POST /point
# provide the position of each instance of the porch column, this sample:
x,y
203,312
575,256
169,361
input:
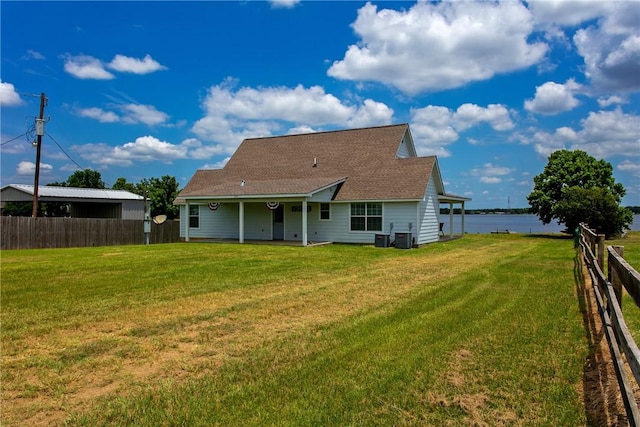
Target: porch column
x,y
241,223
186,222
451,219
304,222
462,217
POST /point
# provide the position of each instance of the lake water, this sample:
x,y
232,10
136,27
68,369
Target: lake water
x,y
485,224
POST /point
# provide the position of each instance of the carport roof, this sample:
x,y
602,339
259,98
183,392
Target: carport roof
x,y
65,193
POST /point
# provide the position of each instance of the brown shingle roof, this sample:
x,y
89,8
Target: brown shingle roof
x,y
281,165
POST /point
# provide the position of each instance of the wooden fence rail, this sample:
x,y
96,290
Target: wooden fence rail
x,y
618,335
34,233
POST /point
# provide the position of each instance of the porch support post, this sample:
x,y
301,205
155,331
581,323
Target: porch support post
x,y
186,222
462,217
451,219
241,223
304,222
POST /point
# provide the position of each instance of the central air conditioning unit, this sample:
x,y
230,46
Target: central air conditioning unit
x,y
404,241
382,241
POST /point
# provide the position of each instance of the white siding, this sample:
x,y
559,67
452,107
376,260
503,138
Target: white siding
x,y
403,149
337,229
428,209
324,195
404,218
258,221
221,223
325,231
293,221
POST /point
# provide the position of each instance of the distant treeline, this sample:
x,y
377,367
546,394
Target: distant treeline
x,y
517,211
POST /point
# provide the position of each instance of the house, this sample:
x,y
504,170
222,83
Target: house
x,y
83,202
347,186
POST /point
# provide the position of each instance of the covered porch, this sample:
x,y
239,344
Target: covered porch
x,y
259,219
448,228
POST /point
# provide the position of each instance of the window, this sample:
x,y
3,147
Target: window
x,y
325,211
366,216
194,216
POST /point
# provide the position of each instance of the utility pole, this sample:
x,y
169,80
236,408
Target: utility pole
x,y
39,133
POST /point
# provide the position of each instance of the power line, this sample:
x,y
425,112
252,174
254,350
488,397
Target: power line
x,y
65,153
13,139
71,158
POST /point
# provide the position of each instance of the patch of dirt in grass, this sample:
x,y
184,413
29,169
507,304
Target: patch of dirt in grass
x,y
468,397
455,376
190,337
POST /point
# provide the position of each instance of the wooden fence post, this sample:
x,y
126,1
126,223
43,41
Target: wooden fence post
x,y
613,277
600,238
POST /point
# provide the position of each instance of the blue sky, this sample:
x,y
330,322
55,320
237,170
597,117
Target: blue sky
x,y
146,89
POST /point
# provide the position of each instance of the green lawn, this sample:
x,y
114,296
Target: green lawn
x,y
484,330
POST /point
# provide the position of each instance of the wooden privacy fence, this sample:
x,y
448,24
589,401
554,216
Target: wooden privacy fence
x,y
608,295
33,233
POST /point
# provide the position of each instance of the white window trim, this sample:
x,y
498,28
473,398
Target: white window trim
x,y
365,218
189,218
320,212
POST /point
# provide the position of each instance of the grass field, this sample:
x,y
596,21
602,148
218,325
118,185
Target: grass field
x,y
484,330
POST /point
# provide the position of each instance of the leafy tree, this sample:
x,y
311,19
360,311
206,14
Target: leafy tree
x,y
161,193
87,178
575,187
595,207
19,209
122,184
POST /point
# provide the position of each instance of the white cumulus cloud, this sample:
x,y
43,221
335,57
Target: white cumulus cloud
x,y
284,4
602,134
432,130
86,67
491,174
127,64
629,166
435,127
29,168
98,114
147,114
553,98
146,149
611,48
604,102
468,115
126,113
233,114
437,46
567,13
8,95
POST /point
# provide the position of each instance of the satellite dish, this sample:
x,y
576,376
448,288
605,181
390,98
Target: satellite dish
x,y
159,219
